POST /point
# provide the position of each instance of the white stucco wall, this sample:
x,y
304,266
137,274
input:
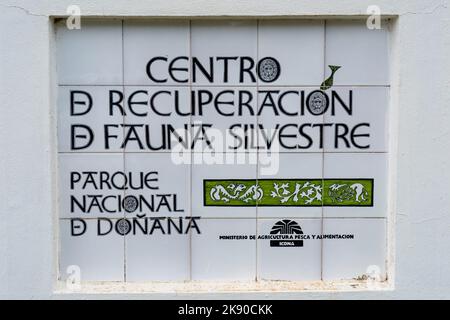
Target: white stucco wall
x,y
420,192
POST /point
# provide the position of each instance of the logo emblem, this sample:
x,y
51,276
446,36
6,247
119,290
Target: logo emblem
x,y
288,231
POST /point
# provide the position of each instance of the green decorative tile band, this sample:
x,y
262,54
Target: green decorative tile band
x,y
288,192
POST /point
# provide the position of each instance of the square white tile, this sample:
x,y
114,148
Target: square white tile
x,y
362,53
298,45
225,119
292,166
158,251
360,121
219,259
295,252
162,41
98,257
229,41
88,120
285,122
90,55
226,196
159,187
364,254
156,117
358,166
91,185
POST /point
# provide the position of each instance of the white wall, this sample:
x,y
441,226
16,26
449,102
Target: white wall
x,y
421,98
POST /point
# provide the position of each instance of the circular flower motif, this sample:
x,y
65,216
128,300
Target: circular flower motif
x,y
123,226
268,69
130,203
317,102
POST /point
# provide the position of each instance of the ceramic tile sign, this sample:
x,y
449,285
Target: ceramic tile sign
x,y
238,150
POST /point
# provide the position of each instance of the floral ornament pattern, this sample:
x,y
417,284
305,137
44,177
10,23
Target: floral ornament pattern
x,y
289,192
234,191
308,191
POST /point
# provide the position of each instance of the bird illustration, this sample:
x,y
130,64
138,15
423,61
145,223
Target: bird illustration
x,y
328,83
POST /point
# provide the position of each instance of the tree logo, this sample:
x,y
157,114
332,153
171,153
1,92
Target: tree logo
x,y
286,233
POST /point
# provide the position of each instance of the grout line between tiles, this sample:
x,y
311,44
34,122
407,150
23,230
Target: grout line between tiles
x,y
257,155
156,152
123,153
237,218
191,154
219,152
227,85
323,153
